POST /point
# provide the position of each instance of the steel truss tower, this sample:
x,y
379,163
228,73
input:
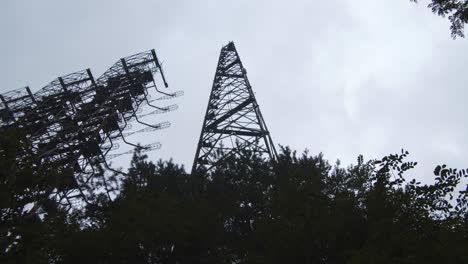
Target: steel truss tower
x,y
233,121
73,124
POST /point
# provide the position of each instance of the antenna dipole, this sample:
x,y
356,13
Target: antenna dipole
x,y
72,125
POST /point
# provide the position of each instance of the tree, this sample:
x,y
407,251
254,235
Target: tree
x,y
32,226
299,209
457,12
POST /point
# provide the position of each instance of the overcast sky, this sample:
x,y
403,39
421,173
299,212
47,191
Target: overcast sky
x,y
340,77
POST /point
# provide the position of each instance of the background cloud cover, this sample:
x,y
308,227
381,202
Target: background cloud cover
x,y
339,77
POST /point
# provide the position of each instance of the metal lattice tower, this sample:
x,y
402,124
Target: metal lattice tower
x,y
74,123
233,121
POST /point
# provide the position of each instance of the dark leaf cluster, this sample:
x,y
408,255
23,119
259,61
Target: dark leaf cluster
x,y
298,209
455,10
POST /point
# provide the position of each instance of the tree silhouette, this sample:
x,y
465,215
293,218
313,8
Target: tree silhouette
x,y
299,209
457,12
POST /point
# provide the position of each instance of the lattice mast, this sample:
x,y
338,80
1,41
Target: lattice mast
x,y
233,122
75,122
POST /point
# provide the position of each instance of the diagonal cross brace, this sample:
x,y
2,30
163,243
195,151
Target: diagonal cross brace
x,y
227,67
240,133
229,114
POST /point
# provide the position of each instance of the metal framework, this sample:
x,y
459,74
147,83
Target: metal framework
x,y
74,123
233,122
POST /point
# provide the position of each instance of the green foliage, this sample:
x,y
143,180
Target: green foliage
x,y
457,12
24,194
299,209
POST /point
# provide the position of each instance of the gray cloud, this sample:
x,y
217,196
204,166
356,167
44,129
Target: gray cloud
x,y
341,77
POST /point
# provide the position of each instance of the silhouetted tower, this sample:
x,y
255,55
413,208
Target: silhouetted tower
x,y
72,125
233,121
